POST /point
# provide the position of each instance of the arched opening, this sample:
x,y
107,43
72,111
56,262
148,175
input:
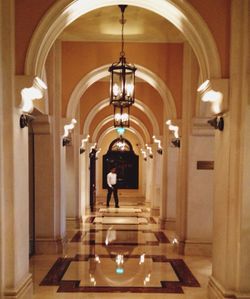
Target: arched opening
x,y
121,156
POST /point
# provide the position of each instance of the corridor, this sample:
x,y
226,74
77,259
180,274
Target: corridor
x,y
120,251
153,95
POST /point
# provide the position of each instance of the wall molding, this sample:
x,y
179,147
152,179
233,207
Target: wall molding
x,y
49,246
23,290
197,248
216,291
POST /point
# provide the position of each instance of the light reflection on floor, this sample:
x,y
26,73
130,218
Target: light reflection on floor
x,y
128,259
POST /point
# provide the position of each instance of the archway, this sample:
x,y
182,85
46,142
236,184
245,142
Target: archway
x,y
132,119
181,14
143,73
138,104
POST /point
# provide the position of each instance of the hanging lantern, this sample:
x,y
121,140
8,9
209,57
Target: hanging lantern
x,y
121,116
122,77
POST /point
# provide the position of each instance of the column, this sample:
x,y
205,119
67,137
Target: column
x,y
155,181
230,273
164,179
14,197
149,180
53,74
49,238
182,171
172,165
73,179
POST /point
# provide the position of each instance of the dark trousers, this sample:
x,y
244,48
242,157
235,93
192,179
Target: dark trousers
x,y
114,191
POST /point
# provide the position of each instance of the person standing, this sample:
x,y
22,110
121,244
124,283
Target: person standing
x,y
112,187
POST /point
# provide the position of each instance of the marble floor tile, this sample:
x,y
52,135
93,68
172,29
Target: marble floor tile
x,y
122,259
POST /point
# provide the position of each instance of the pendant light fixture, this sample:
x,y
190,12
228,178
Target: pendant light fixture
x,y
122,83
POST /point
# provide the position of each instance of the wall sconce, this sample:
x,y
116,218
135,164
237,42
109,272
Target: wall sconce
x,y
35,92
210,95
217,123
144,154
158,142
93,150
67,132
149,149
97,153
175,129
176,142
85,140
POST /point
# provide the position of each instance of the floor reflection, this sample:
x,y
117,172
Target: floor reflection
x,y
120,258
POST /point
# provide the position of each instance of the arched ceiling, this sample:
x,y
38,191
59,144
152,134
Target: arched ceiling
x,y
103,25
143,26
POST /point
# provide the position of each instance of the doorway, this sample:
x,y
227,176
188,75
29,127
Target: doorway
x,y
121,156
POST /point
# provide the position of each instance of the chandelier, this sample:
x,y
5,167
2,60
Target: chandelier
x,y
122,83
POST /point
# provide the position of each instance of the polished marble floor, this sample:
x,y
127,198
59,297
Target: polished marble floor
x,y
121,259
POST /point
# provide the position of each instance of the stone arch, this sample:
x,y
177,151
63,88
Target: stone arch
x,y
133,119
180,13
132,130
102,72
138,104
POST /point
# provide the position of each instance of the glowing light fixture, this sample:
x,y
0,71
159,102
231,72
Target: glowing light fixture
x,y
35,92
144,154
82,147
210,95
121,116
175,129
158,142
122,83
120,131
67,132
149,149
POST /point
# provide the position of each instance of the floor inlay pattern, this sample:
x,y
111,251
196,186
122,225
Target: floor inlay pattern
x,y
86,238
124,258
70,274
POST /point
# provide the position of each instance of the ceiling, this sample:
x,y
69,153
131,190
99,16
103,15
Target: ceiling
x,y
103,25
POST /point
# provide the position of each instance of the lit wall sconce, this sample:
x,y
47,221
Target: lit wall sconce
x,y
67,132
97,153
93,151
217,123
149,149
82,147
158,142
209,95
144,154
175,130
35,92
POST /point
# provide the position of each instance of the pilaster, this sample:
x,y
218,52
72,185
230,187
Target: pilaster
x,y
15,279
231,262
48,239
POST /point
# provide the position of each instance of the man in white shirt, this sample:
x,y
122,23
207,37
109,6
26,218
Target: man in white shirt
x,y
112,187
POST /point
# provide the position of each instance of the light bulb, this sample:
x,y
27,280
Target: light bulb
x,y
116,90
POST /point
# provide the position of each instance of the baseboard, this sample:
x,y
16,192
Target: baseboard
x,y
169,223
49,246
73,222
155,211
216,291
23,291
198,247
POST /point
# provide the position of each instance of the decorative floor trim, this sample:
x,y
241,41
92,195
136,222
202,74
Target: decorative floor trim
x,y
55,274
151,220
159,235
90,219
